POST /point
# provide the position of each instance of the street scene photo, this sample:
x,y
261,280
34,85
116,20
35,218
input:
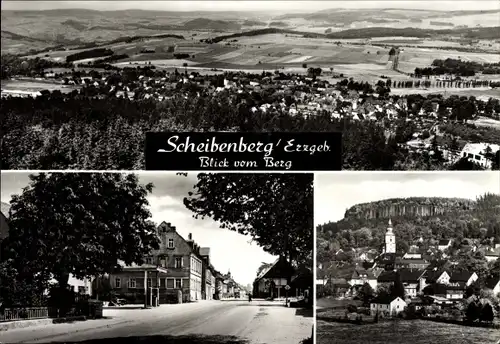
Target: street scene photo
x,y
408,257
412,85
156,257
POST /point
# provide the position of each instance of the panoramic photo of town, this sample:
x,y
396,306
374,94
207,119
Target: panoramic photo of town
x,y
156,258
413,85
408,257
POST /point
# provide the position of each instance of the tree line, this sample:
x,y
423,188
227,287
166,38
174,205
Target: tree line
x,y
76,131
458,67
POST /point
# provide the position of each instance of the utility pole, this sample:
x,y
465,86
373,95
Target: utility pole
x,y
145,288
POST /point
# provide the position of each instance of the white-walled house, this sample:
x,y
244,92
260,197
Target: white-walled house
x,y
434,276
444,244
492,254
493,284
409,255
81,286
455,290
475,153
387,306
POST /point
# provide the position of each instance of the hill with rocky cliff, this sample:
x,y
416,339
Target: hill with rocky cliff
x,y
432,218
415,206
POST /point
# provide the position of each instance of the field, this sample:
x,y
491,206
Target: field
x,y
487,122
362,59
477,92
403,332
330,303
35,85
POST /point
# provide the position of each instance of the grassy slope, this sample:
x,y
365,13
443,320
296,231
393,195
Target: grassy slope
x,y
402,332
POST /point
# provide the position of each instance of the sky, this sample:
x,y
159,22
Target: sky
x,y
229,251
334,193
265,5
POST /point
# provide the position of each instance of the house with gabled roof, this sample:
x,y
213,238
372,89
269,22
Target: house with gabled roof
x,y
386,277
271,282
455,290
444,244
361,276
493,284
434,276
387,306
492,254
412,255
301,284
411,280
411,263
463,276
339,287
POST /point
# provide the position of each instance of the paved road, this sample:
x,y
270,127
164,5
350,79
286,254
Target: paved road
x,y
214,322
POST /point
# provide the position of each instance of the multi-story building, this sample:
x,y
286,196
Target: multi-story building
x,y
174,269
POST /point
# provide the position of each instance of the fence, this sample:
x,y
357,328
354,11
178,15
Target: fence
x,y
11,314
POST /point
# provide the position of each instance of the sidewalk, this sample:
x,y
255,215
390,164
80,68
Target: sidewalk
x,y
111,316
49,330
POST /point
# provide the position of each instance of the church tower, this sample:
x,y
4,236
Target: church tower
x,y
390,239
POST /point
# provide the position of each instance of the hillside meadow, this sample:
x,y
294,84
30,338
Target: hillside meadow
x,y
403,332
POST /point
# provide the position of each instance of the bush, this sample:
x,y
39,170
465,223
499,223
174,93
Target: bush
x,y
486,313
410,312
352,308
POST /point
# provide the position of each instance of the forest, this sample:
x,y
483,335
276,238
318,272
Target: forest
x,y
76,131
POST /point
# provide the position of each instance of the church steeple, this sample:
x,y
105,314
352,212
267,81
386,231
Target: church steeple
x,y
390,239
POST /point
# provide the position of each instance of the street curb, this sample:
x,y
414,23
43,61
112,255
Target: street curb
x,y
24,323
30,323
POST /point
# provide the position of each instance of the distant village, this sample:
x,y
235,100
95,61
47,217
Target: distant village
x,y
431,282
298,95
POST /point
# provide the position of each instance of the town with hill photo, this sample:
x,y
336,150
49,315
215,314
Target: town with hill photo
x,y
156,258
413,85
414,258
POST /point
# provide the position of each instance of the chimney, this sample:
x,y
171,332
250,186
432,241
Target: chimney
x,y
190,236
169,224
173,228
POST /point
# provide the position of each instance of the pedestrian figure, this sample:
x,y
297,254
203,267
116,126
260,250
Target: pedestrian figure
x,y
249,298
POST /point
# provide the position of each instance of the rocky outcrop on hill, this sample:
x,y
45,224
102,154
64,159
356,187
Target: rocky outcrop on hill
x,y
413,207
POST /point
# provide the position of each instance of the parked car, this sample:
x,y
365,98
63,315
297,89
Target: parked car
x,y
117,302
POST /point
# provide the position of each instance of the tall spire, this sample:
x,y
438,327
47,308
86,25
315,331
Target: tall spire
x,y
389,229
